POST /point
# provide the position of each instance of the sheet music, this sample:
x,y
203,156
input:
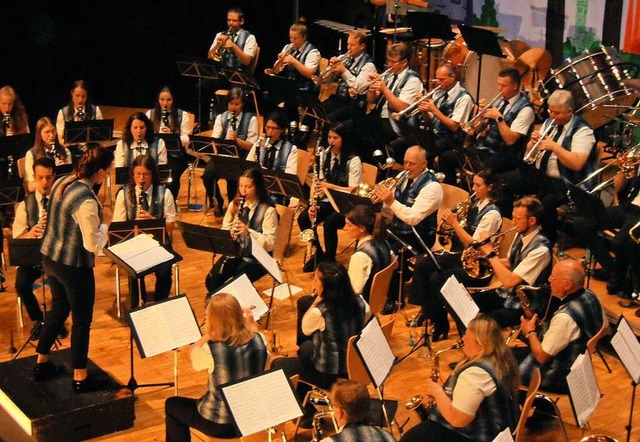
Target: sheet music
x,y
262,402
246,294
504,436
266,260
626,345
583,388
459,299
165,326
375,352
141,252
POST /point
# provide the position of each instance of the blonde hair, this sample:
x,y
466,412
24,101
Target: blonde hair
x,y
225,320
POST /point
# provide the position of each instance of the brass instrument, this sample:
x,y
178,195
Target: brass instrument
x,y
474,260
445,230
524,299
412,109
279,65
217,51
327,76
236,219
369,191
479,121
626,162
535,153
635,236
363,89
417,403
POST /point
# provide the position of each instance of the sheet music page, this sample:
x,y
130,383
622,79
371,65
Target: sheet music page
x,y
266,260
626,345
459,299
375,351
583,388
141,252
150,258
504,436
246,294
165,326
262,402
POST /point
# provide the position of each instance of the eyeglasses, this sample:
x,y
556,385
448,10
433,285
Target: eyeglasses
x,y
394,61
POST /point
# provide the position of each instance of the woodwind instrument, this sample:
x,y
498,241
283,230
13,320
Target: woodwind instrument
x,y
164,119
412,109
6,123
321,398
535,153
262,142
236,220
81,115
309,235
217,51
527,310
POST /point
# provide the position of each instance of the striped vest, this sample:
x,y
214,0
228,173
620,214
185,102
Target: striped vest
x,y
156,208
343,170
442,131
132,154
343,87
425,228
242,127
282,156
156,124
62,240
496,412
330,346
573,177
231,363
229,59
494,140
585,309
362,433
380,254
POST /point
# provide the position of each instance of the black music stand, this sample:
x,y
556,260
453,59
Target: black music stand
x,y
200,146
482,42
88,131
311,107
198,68
282,183
173,143
343,202
430,25
208,239
245,81
11,149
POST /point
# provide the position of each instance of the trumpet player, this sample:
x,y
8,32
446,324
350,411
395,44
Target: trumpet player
x,y
300,58
143,197
502,129
45,145
566,156
339,169
138,139
236,45
353,74
479,400
256,220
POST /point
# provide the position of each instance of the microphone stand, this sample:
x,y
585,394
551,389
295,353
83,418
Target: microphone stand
x,y
408,247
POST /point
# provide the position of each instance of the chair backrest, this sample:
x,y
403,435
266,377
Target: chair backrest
x,y
604,331
304,160
355,368
452,195
380,287
507,240
283,232
192,122
387,328
254,61
369,174
534,385
21,169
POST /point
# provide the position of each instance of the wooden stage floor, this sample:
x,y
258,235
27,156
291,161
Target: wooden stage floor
x,y
109,346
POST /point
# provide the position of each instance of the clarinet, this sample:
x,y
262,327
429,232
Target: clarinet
x,y
165,118
140,202
262,142
139,146
6,123
80,115
236,219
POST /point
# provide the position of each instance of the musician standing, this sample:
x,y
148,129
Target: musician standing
x,y
14,116
237,125
138,139
79,108
275,152
339,169
509,120
414,205
353,74
145,198
565,336
45,145
238,46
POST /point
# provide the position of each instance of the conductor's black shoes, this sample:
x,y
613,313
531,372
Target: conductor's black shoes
x,y
45,371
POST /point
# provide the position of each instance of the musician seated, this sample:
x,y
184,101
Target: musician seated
x,y
143,197
351,403
79,108
236,125
414,204
300,58
501,132
450,107
479,400
14,116
338,169
529,262
564,337
372,252
250,217
231,349
567,156
45,145
481,215
236,46
354,73
334,314
138,139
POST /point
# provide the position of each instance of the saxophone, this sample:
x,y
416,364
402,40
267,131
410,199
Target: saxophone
x,y
418,403
524,300
316,424
308,235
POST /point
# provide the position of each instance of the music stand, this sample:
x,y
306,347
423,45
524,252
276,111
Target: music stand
x,y
430,25
201,146
343,202
245,81
208,239
12,148
226,147
198,68
281,89
311,106
482,42
173,143
88,131
282,183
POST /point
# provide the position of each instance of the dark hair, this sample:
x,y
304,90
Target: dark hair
x,y
127,136
88,108
337,293
156,115
364,216
38,144
93,160
344,131
533,205
353,397
238,11
235,92
148,163
256,176
280,118
491,179
512,73
46,162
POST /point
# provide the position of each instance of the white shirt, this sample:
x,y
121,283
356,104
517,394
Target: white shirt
x,y
28,164
463,106
94,234
60,123
313,320
535,261
185,127
20,223
428,201
121,152
524,119
360,266
490,221
269,225
250,44
120,207
363,76
313,57
252,131
412,88
292,160
354,168
562,331
473,385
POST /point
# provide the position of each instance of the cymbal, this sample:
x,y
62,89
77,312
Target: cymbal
x,y
633,83
492,29
533,65
391,31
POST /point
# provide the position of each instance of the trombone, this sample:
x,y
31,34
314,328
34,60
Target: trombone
x,y
535,153
412,109
624,161
479,119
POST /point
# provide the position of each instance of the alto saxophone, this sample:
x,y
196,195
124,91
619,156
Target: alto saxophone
x,y
525,302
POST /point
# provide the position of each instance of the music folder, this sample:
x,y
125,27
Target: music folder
x,y
625,343
584,392
241,288
141,255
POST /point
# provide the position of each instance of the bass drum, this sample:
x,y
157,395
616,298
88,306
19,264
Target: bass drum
x,y
491,66
455,52
420,52
595,80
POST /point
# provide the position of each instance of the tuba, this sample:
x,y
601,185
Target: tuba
x,y
445,230
473,259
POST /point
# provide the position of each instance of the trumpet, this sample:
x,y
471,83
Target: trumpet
x,y
412,109
368,191
217,51
363,89
327,76
279,65
445,230
535,153
634,234
473,259
624,161
479,120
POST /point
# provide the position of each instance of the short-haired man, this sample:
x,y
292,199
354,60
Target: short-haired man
x,y
238,46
